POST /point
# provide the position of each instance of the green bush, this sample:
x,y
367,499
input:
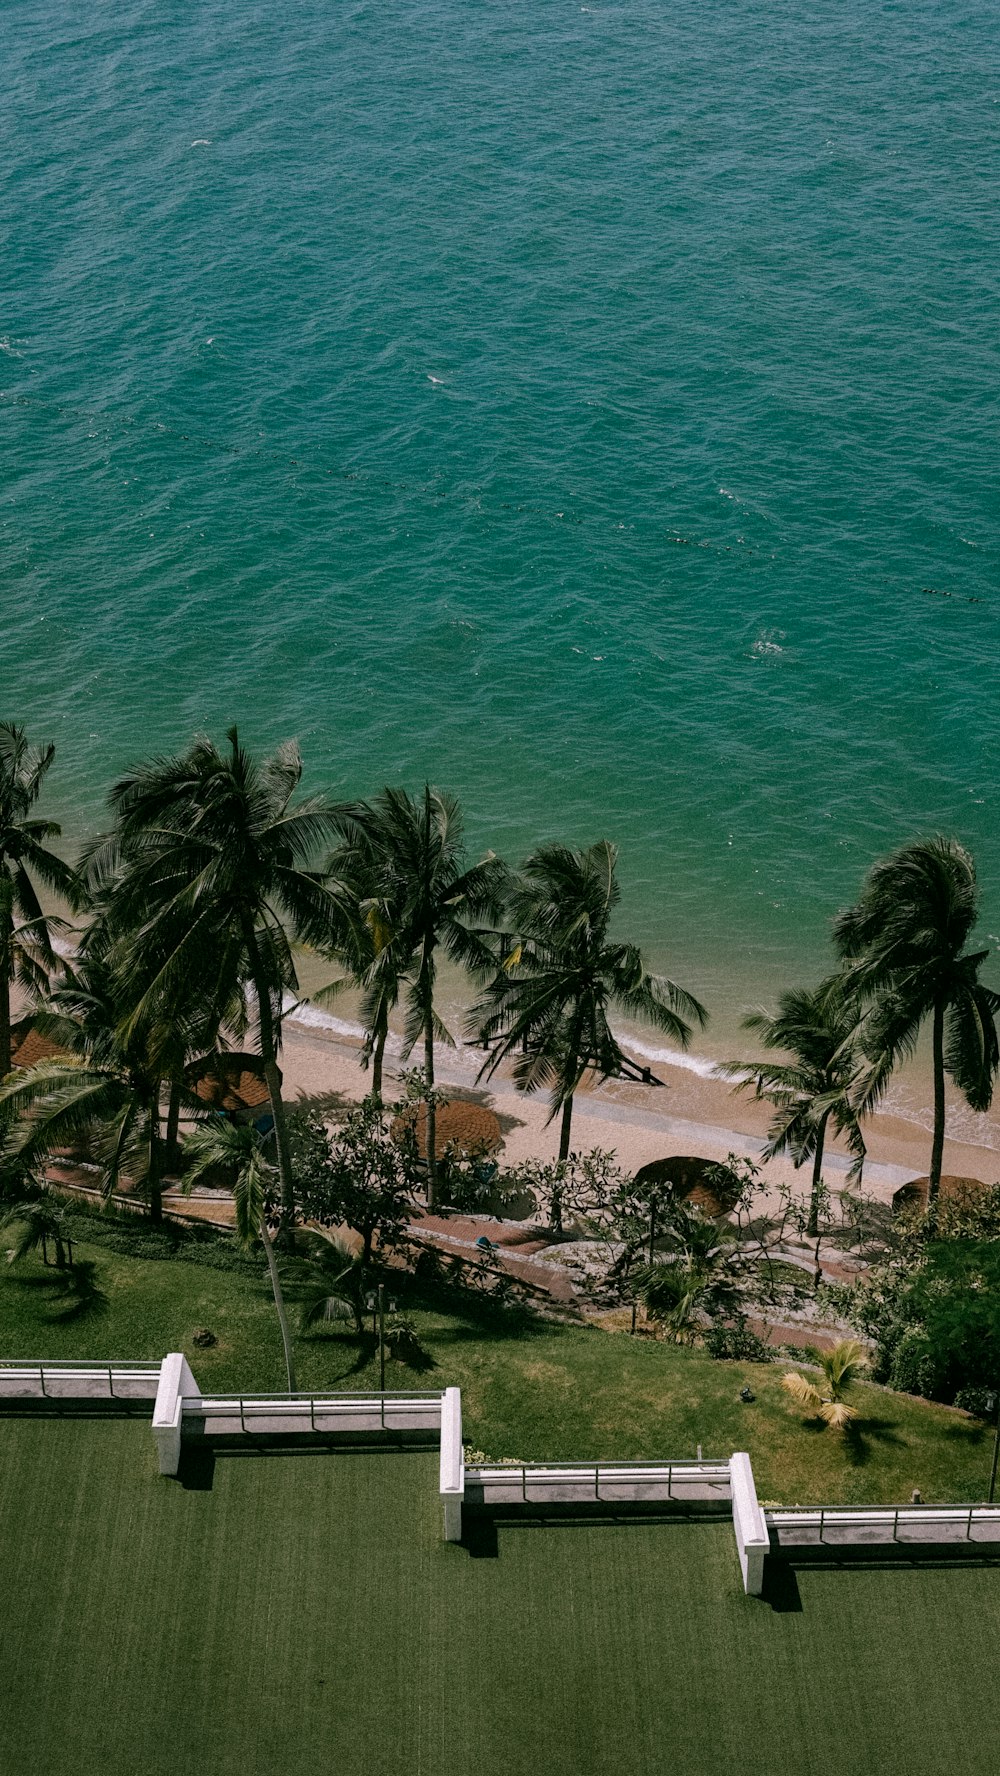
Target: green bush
x,y
737,1343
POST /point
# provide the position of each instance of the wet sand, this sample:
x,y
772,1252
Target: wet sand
x,y
690,1114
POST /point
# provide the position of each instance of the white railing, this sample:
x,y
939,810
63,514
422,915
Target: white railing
x,y
53,1379
851,1525
270,1414
602,1483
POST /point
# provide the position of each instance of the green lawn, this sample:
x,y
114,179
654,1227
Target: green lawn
x,y
530,1389
288,1614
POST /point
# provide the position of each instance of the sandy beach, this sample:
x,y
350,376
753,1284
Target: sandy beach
x,y
691,1114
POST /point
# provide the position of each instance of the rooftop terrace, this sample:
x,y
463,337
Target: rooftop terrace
x,y
299,1612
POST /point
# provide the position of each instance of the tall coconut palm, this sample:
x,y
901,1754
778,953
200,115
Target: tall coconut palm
x,y
903,944
370,945
431,900
210,860
560,976
818,1029
239,1151
26,953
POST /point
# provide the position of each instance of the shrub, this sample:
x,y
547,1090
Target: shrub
x,y
737,1342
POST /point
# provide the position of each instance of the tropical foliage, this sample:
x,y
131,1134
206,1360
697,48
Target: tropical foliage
x,y
813,1089
840,1366
210,862
237,1152
424,900
360,1176
26,860
560,977
903,947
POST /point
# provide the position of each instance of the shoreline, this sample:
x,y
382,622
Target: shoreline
x,y
695,1113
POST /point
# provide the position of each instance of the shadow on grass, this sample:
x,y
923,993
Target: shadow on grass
x,y
781,1588
860,1436
74,1290
196,1472
479,1538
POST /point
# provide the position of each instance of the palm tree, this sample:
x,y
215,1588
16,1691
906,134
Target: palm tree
x,y
109,1082
425,899
331,1283
903,944
369,946
26,953
209,862
40,1221
560,975
238,1150
840,1367
818,1029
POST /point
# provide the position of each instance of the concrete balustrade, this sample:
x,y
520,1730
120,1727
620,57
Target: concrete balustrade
x,y
176,1382
452,1468
181,1411
749,1526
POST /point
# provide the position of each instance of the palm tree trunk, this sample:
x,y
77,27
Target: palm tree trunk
x,y
272,1079
812,1225
155,1175
432,1177
172,1155
937,1145
279,1303
564,1128
378,1055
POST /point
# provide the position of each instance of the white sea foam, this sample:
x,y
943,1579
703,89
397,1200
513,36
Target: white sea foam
x,y
671,1057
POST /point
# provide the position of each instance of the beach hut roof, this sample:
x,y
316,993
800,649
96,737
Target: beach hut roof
x,y
702,1182
463,1127
230,1081
28,1046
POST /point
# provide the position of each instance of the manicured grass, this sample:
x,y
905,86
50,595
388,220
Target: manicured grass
x,y
530,1389
298,1613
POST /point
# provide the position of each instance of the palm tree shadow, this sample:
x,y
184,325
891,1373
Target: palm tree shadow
x,y
365,1352
859,1437
75,1290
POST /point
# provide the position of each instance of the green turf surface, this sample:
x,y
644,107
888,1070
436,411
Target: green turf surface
x,y
289,1614
530,1389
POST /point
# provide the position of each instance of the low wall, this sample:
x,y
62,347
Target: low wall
x,y
542,1484
181,1410
99,1382
409,1418
749,1526
452,1467
176,1384
879,1528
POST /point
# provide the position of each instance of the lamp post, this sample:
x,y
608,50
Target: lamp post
x,y
993,1405
381,1338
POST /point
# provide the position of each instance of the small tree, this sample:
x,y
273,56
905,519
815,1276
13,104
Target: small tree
x,y
840,1367
360,1176
239,1150
40,1221
330,1280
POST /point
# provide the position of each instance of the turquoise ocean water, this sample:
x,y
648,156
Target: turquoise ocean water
x,y
592,408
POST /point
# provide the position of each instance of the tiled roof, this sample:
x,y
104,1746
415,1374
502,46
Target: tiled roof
x,y
231,1082
29,1046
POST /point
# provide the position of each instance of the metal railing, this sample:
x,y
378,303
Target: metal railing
x,y
597,1474
886,1518
127,1369
302,1409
